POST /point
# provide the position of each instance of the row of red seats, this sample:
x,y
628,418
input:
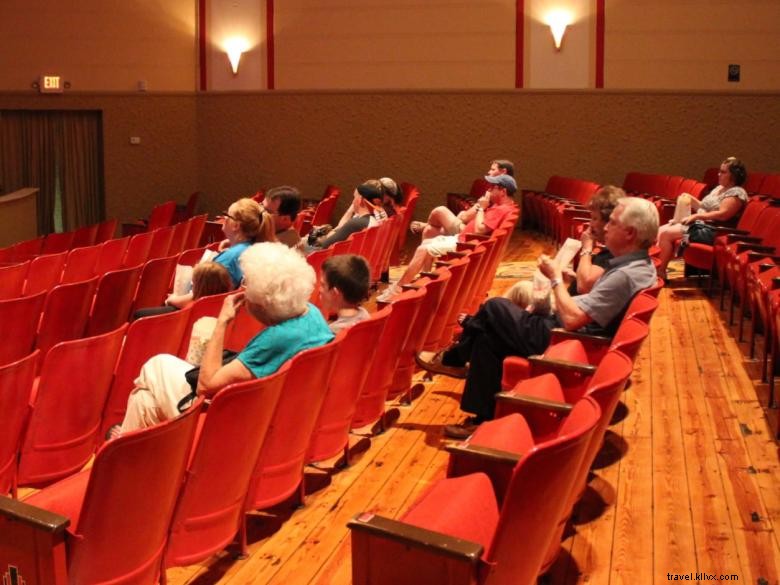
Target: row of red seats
x,y
260,471
59,242
559,207
95,305
516,479
45,271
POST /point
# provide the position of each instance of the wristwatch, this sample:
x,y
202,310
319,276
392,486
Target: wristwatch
x,y
586,253
554,282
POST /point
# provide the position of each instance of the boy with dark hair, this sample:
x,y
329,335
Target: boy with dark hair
x,y
343,287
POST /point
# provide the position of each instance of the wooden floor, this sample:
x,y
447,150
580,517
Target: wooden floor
x,y
688,480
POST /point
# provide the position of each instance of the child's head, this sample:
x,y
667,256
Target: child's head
x,y
523,295
210,278
345,281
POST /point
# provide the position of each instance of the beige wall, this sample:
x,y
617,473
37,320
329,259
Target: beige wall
x,y
98,45
668,44
164,166
359,44
228,145
442,141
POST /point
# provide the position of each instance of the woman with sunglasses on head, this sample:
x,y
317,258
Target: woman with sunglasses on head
x,y
246,223
723,205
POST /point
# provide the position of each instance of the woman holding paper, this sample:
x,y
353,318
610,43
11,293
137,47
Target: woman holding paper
x,y
723,205
246,223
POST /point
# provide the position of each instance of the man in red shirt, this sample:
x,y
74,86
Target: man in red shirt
x,y
485,216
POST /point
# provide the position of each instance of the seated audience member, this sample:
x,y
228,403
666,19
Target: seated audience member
x,y
500,328
593,264
246,223
392,196
523,296
443,236
284,203
278,284
208,278
343,287
723,205
364,211
442,221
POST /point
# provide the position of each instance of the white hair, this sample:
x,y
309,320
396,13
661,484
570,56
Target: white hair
x,y
642,215
278,279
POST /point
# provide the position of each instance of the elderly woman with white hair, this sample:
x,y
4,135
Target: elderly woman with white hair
x,y
278,285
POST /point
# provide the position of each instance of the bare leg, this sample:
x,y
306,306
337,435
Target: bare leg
x,y
667,236
441,221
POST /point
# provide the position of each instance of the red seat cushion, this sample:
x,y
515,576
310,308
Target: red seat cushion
x,y
509,433
464,507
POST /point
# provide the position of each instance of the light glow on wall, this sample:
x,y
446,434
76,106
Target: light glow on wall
x,y
235,47
558,20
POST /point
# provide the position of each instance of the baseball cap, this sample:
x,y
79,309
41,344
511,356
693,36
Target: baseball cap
x,y
506,181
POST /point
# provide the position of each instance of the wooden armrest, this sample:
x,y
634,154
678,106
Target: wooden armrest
x,y
457,254
557,364
417,537
430,274
38,518
410,287
776,282
560,333
467,245
442,263
763,267
533,402
480,237
735,238
484,453
748,247
721,229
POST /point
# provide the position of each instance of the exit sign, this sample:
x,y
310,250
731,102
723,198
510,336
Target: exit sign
x,y
50,84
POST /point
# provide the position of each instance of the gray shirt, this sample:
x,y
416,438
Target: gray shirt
x,y
626,275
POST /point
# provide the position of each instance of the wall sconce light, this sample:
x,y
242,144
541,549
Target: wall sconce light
x,y
235,47
558,21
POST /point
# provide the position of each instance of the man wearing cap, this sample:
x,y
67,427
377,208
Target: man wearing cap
x,y
365,210
442,235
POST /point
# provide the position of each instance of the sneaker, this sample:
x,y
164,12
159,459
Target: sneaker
x,y
433,365
386,296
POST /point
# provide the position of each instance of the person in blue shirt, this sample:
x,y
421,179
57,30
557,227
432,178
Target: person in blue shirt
x,y
278,283
246,222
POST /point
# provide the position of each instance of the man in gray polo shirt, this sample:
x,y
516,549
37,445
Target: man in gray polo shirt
x,y
500,328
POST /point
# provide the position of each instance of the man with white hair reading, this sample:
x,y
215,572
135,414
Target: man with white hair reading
x,y
500,328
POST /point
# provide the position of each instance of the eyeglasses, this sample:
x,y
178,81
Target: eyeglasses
x,y
227,215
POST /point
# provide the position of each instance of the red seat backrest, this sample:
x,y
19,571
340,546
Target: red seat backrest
x,y
16,382
155,282
106,231
112,255
65,313
45,272
113,299
279,470
161,216
208,306
371,403
20,317
358,348
530,514
12,279
642,307
127,501
145,338
195,233
81,264
161,243
178,238
55,243
68,407
28,249
315,260
138,249
85,236
217,478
